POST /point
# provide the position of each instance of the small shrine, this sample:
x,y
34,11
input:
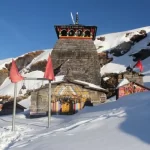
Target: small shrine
x,y
127,86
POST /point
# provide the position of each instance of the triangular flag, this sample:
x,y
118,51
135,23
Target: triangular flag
x,y
139,65
49,73
15,76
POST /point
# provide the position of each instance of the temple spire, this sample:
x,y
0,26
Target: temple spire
x,y
77,18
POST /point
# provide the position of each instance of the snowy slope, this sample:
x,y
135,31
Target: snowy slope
x,y
114,39
120,125
119,64
41,57
7,88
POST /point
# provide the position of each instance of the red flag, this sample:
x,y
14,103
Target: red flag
x,y
49,73
139,65
15,76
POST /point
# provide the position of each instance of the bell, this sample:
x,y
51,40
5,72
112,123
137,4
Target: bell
x,y
23,87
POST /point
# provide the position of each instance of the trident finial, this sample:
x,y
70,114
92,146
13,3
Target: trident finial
x,y
77,18
72,18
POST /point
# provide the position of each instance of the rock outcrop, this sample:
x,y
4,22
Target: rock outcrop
x,y
23,61
104,58
3,75
121,49
101,38
40,65
124,47
142,54
138,37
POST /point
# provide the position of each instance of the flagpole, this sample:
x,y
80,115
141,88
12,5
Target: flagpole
x,y
49,103
14,107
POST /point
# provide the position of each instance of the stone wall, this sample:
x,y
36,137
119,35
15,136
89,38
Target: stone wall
x,y
79,60
39,98
39,101
132,76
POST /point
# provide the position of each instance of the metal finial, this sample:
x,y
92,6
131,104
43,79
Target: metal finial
x,y
77,18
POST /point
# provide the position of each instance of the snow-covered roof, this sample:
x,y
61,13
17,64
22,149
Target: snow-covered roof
x,y
59,78
90,85
86,84
123,82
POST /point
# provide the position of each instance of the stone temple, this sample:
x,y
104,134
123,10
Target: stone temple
x,y
75,53
74,57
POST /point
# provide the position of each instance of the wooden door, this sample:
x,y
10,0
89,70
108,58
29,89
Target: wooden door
x,y
65,107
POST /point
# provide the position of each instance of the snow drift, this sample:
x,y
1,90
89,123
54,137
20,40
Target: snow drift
x,y
123,124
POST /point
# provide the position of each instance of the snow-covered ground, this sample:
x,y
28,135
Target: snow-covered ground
x,y
120,125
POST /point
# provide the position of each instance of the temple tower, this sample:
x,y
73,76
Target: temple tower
x,y
75,53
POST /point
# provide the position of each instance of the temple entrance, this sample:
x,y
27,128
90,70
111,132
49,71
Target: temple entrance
x,y
67,107
70,97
